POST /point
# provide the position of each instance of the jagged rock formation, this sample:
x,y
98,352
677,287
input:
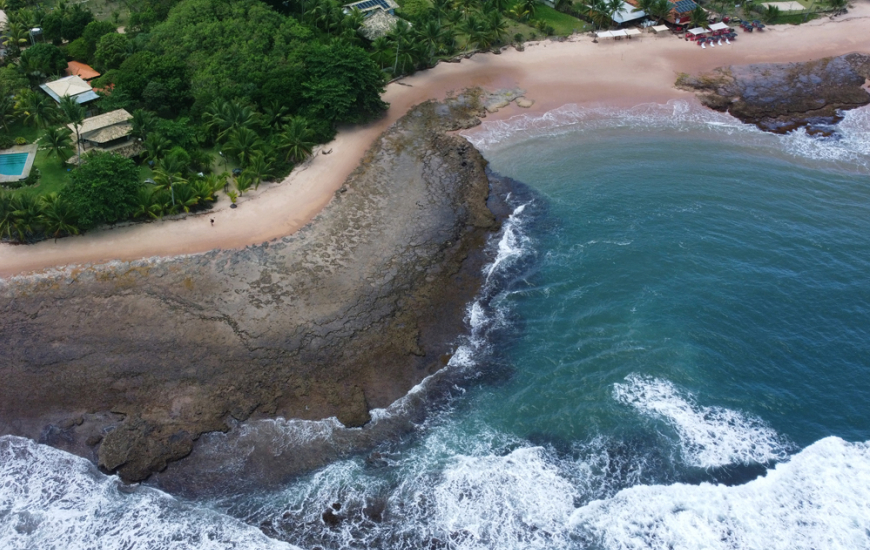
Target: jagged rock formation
x,y
129,363
780,97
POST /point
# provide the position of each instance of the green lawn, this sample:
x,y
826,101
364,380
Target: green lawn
x,y
53,174
564,24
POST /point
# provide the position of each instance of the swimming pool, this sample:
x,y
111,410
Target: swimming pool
x,y
12,164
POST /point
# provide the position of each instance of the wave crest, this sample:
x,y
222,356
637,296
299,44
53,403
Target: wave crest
x,y
709,436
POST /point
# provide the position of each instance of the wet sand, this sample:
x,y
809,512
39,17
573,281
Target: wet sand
x,y
619,73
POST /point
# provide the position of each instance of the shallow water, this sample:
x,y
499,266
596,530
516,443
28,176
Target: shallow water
x,y
671,351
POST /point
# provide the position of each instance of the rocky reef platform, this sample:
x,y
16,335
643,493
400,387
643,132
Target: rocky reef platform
x,y
781,97
129,363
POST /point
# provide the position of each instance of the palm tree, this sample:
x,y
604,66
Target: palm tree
x,y
59,216
499,5
400,36
259,168
497,25
244,182
382,51
166,180
142,123
7,218
440,8
36,108
16,35
596,11
296,140
698,16
242,144
172,164
216,182
274,114
475,32
26,214
660,9
74,113
564,6
59,142
225,116
155,147
146,204
771,14
353,20
530,6
517,12
613,7
464,6
432,36
7,111
644,6
205,189
186,196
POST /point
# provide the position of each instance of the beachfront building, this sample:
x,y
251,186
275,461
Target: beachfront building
x,y
380,24
682,12
73,86
628,12
371,7
108,132
81,70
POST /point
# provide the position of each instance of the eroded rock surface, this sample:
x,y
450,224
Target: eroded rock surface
x,y
129,363
780,97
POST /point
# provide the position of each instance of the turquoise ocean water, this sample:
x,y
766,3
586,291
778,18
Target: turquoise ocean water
x,y
672,350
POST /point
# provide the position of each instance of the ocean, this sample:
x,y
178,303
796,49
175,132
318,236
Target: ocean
x,y
671,351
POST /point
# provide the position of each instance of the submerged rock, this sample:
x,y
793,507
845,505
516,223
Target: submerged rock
x,y
781,97
346,315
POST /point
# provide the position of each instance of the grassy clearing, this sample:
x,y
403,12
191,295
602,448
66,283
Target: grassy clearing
x,y
563,23
515,28
794,18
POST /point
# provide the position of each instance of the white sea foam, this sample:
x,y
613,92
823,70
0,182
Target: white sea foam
x,y
820,499
850,152
675,114
52,499
512,244
480,489
503,501
709,436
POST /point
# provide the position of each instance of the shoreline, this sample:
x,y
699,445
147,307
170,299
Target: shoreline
x,y
551,73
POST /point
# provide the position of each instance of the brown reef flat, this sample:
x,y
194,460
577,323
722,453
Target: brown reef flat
x,y
129,363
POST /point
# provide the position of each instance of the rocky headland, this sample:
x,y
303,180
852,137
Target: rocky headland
x,y
781,97
129,363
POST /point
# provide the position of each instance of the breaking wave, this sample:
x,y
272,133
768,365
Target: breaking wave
x,y
52,499
819,499
709,436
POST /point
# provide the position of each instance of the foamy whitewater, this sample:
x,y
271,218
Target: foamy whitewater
x,y
670,351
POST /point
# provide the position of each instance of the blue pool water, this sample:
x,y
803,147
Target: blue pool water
x,y
671,351
12,164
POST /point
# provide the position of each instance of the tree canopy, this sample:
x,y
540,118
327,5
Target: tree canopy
x,y
44,58
104,189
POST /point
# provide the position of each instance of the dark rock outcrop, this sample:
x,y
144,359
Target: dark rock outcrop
x,y
129,363
780,97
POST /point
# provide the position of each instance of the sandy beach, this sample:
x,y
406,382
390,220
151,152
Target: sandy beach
x,y
623,73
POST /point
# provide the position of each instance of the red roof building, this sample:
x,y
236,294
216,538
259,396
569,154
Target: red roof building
x,y
85,72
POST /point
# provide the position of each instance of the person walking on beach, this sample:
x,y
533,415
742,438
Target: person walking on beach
x,y
212,222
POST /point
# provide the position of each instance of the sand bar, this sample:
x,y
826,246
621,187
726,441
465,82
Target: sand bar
x,y
619,73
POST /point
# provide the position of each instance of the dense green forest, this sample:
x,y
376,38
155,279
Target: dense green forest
x,y
224,94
